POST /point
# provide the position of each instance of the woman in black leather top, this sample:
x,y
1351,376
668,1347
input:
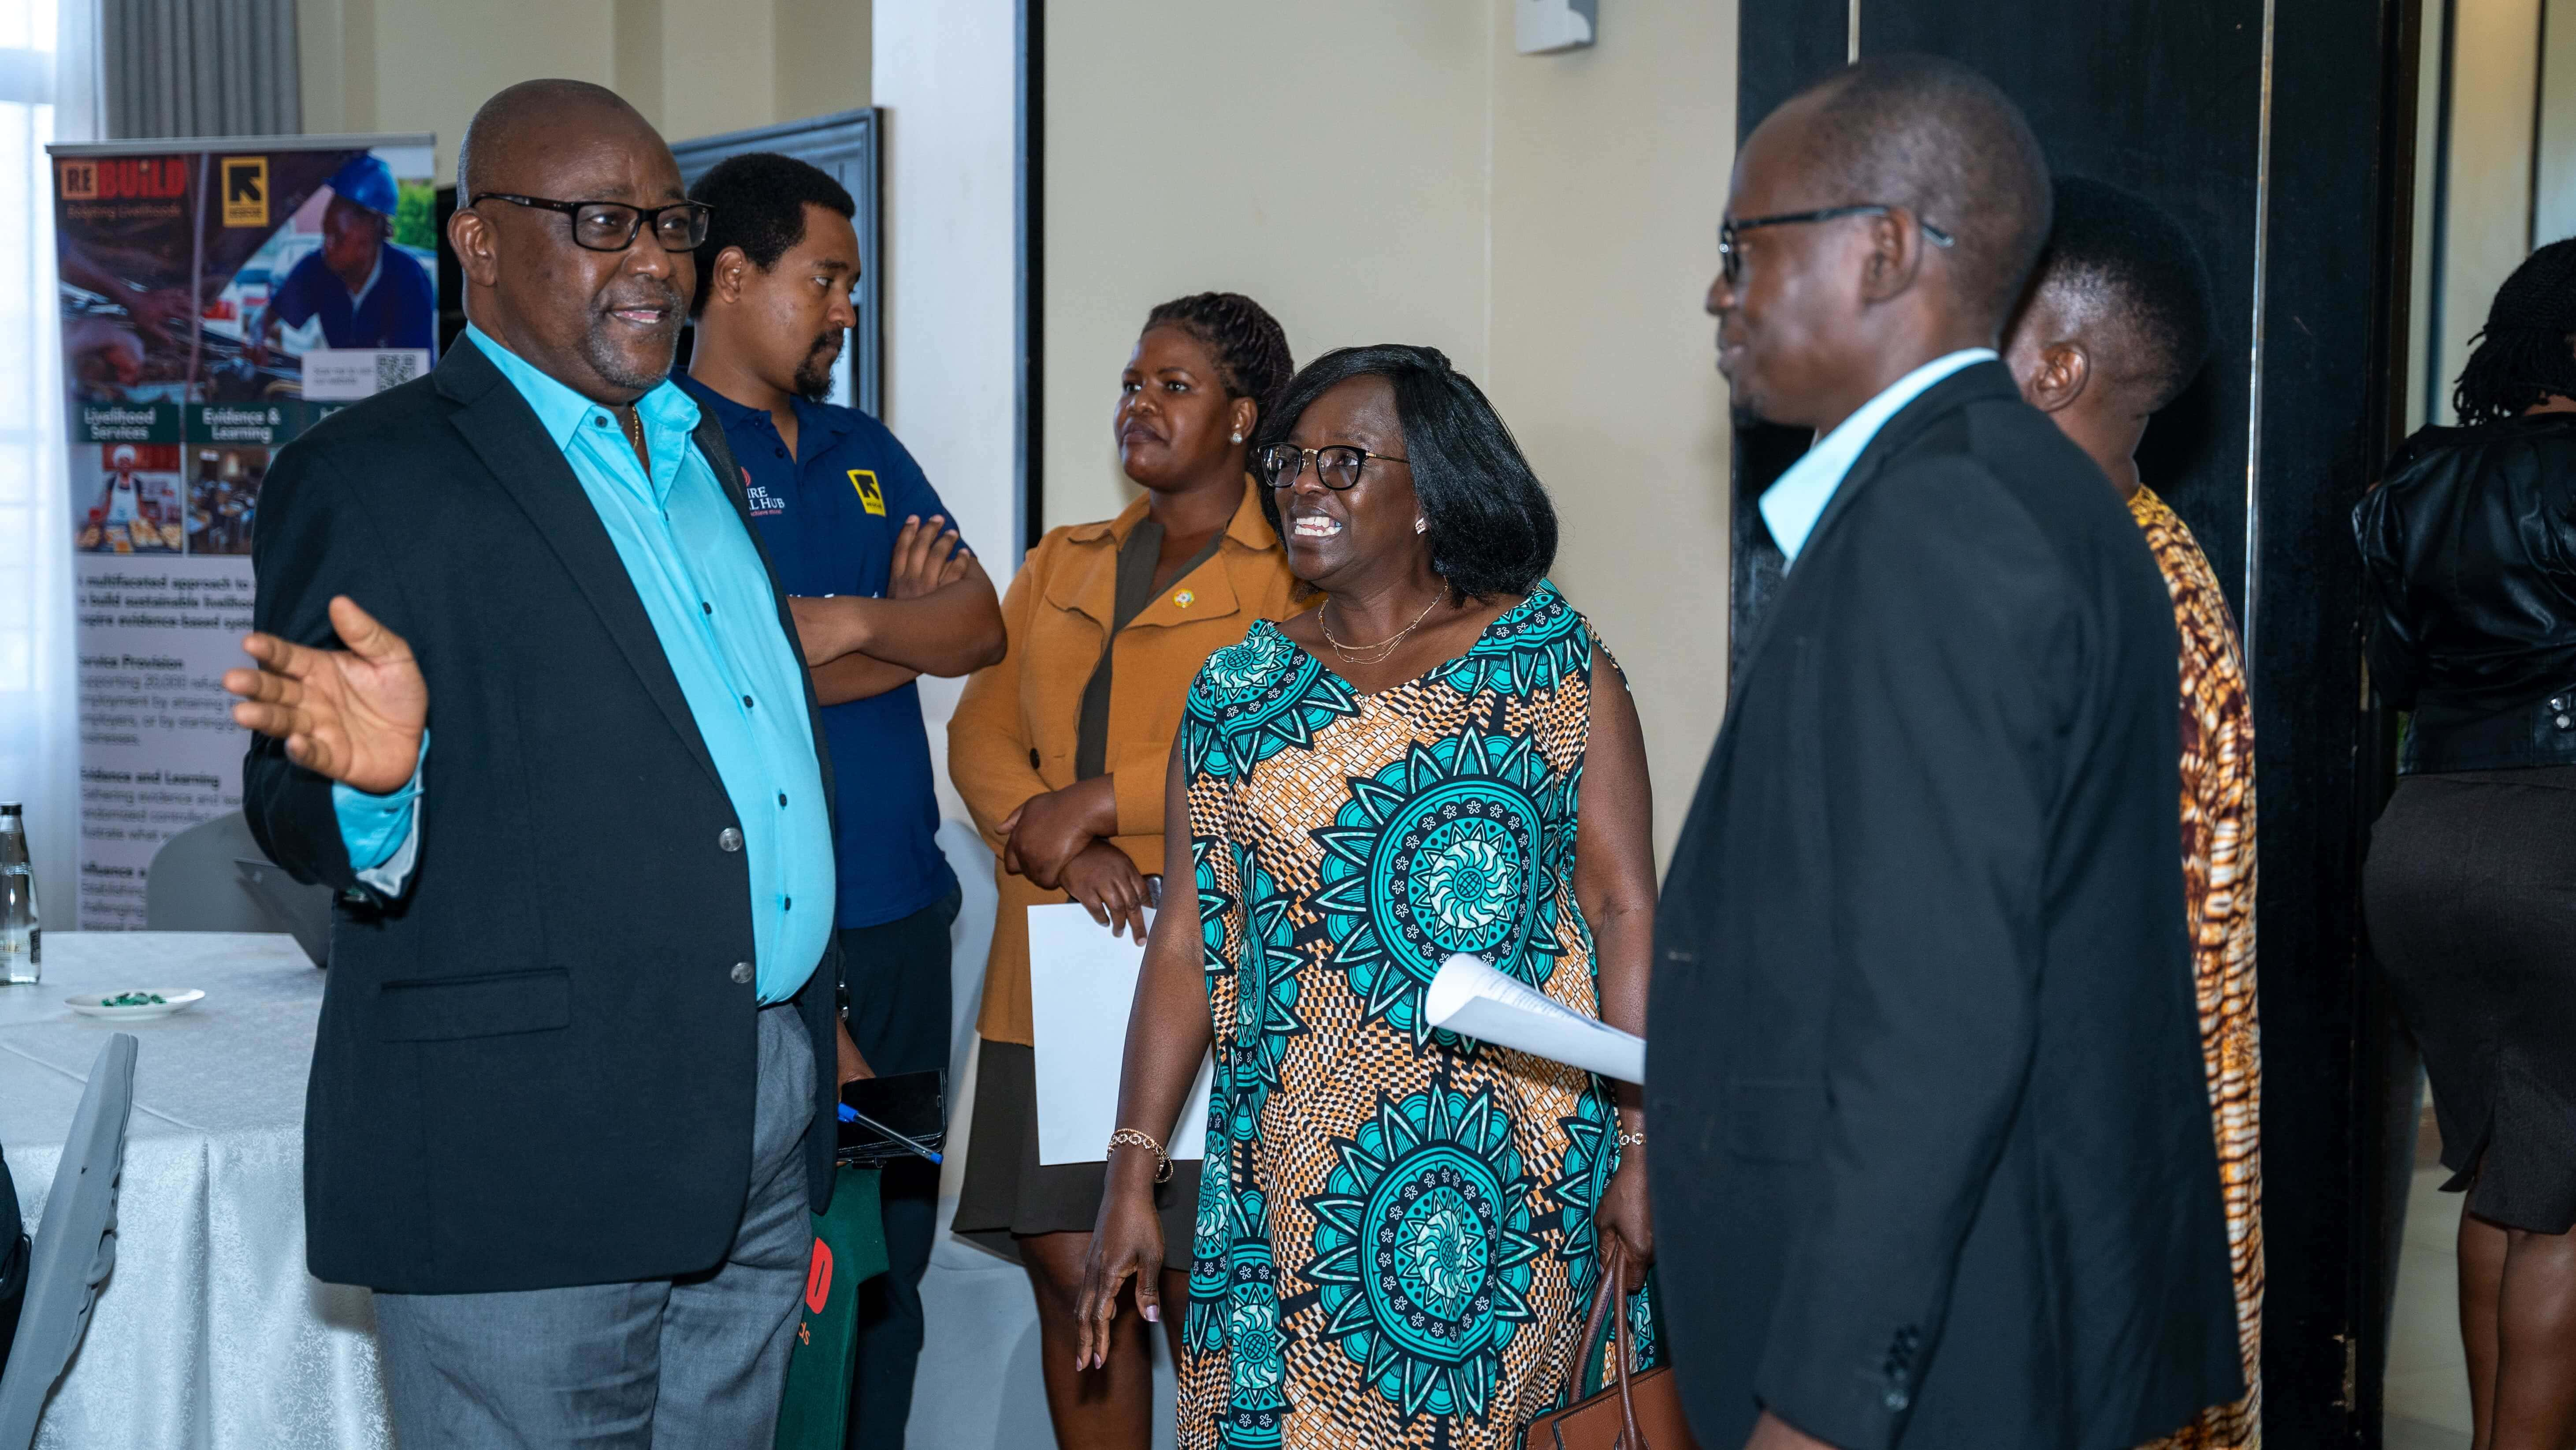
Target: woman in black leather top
x,y
2470,552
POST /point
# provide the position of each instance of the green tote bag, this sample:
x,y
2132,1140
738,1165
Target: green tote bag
x,y
849,1245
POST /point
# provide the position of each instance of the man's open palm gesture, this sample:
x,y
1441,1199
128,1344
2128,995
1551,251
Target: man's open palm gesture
x,y
355,715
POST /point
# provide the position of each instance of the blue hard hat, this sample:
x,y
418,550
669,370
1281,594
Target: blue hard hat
x,y
366,181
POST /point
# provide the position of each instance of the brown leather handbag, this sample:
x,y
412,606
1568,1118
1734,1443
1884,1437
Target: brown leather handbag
x,y
1643,1411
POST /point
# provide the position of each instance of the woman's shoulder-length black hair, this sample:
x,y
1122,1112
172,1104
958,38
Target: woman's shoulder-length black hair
x,y
1492,530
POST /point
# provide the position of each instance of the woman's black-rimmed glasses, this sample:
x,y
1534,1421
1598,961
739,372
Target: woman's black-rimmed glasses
x,y
611,226
1730,259
1337,465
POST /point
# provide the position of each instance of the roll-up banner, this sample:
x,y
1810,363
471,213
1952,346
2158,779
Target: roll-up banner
x,y
219,297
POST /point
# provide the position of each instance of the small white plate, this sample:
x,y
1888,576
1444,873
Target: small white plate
x,y
173,999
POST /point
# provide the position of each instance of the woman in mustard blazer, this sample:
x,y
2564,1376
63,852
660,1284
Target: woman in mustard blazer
x,y
1061,751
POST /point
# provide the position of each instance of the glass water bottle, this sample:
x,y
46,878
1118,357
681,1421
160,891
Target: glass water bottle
x,y
22,947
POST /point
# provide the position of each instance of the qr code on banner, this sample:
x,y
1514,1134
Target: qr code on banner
x,y
345,374
393,369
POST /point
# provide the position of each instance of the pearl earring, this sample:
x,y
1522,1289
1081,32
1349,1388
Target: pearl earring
x,y
1236,438
1421,525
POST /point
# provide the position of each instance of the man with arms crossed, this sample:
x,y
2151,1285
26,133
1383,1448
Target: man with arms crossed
x,y
1928,1070
882,591
565,1114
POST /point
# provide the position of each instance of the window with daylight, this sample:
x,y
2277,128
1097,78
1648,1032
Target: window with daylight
x,y
48,92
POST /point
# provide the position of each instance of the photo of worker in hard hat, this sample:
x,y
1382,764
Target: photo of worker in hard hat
x,y
137,508
366,292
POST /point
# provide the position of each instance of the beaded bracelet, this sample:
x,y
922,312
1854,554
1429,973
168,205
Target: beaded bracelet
x,y
1133,1138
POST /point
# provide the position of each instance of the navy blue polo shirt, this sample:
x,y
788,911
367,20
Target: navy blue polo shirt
x,y
398,309
829,521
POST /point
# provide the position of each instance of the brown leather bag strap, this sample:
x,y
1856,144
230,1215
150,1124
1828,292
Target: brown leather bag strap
x,y
1625,1355
1605,1304
1602,1298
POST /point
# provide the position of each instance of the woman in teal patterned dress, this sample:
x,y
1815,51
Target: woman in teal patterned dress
x,y
1399,1231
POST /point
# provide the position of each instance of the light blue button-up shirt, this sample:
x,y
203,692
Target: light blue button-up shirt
x,y
704,588
1793,503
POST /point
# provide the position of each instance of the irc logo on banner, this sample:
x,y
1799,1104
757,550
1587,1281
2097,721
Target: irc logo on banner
x,y
871,495
245,191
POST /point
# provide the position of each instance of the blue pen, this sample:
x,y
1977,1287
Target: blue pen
x,y
852,1115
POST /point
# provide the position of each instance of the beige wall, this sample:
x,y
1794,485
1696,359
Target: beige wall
x,y
2554,215
694,67
1549,221
1610,169
2495,76
1350,197
826,54
946,73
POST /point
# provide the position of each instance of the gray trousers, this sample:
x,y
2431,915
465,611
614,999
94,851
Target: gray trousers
x,y
685,1364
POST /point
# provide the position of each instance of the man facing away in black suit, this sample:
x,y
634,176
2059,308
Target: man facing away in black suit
x,y
1926,1074
529,700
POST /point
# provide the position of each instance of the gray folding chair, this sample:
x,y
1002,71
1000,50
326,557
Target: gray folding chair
x,y
213,877
75,1245
192,884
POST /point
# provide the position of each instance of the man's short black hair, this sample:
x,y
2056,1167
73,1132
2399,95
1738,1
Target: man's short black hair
x,y
1491,527
758,202
2125,261
1935,137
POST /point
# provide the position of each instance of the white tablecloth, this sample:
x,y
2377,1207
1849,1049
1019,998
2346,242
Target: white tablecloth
x,y
209,1335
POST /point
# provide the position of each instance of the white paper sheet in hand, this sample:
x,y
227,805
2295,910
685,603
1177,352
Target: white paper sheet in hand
x,y
1473,1000
1082,980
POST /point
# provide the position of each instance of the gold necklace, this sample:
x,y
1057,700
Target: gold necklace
x,y
1384,647
634,428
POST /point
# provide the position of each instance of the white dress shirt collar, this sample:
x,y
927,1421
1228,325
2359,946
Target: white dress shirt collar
x,y
1791,506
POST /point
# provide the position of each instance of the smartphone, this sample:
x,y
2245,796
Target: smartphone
x,y
879,1113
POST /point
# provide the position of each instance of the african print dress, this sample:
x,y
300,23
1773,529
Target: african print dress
x,y
1395,1242
2218,898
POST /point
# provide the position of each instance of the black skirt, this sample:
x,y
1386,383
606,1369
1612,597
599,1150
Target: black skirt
x,y
1009,1195
2470,894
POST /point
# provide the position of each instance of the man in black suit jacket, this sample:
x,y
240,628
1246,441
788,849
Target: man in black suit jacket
x,y
572,1084
1926,1082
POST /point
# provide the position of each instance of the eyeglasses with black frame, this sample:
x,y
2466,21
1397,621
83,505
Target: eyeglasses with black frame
x,y
1337,465
611,226
1730,259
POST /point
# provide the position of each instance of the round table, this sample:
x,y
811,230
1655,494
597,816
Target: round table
x,y
209,1333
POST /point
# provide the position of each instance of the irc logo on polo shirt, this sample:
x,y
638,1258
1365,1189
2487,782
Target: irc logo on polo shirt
x,y
871,496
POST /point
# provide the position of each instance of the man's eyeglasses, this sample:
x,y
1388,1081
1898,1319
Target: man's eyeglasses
x,y
1337,466
1730,258
611,226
